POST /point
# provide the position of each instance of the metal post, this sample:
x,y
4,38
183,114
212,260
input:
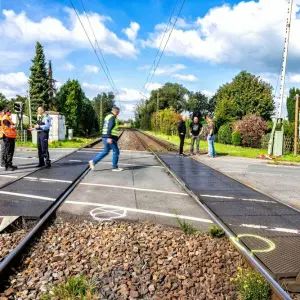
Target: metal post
x,y
296,125
285,54
157,109
101,113
29,108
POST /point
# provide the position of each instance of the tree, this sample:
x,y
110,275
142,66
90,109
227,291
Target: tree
x,y
291,104
212,104
246,94
197,105
3,101
38,80
108,102
171,95
51,86
69,100
88,123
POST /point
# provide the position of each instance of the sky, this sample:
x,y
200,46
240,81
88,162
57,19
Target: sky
x,y
212,42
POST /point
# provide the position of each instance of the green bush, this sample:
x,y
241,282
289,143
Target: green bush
x,y
288,128
75,288
265,140
251,285
186,227
224,134
236,138
216,231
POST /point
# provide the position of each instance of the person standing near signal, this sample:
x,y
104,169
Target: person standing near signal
x,y
9,131
110,138
42,127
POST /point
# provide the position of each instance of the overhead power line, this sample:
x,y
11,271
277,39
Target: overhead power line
x,y
165,43
158,50
105,72
96,40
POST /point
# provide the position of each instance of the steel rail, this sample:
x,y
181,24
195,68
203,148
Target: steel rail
x,y
232,237
8,260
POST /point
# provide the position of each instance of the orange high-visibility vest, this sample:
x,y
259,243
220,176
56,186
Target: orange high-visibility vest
x,y
8,131
1,130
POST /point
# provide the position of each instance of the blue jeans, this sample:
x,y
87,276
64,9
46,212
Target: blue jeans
x,y
107,147
211,146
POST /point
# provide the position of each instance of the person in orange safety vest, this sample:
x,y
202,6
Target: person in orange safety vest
x,y
9,132
2,156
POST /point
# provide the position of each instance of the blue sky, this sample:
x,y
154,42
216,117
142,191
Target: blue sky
x,y
212,41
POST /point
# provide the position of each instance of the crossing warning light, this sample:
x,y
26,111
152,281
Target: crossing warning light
x,y
19,107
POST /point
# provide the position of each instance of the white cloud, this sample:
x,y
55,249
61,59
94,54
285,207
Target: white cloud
x,y
293,78
68,66
153,86
96,87
91,69
168,70
130,95
250,33
12,84
208,93
146,67
188,77
19,34
132,31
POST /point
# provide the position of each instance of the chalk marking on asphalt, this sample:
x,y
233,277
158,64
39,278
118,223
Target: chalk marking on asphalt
x,y
75,160
267,241
47,179
98,211
27,196
142,211
233,198
9,176
133,188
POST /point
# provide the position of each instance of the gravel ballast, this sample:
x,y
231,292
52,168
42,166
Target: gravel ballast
x,y
128,261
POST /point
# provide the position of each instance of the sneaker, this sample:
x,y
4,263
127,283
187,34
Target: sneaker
x,y
92,165
117,170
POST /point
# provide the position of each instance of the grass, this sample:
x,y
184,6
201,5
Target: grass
x,y
75,143
216,231
186,227
225,150
75,288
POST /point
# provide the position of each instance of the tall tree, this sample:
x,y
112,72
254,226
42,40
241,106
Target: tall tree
x,y
212,104
291,104
3,101
246,94
88,121
51,86
197,105
38,80
69,100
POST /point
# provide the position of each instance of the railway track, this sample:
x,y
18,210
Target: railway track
x,y
45,216
256,263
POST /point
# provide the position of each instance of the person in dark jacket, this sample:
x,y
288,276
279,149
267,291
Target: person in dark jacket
x,y
110,138
182,133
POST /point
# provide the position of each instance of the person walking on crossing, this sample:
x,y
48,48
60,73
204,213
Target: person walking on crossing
x,y
110,138
2,147
42,127
8,129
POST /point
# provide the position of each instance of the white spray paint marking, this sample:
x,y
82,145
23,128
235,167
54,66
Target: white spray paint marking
x,y
27,196
9,176
242,199
46,179
278,229
20,157
133,188
75,160
142,211
117,214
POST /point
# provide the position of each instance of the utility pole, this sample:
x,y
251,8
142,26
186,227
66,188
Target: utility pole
x,y
157,109
101,113
296,125
29,109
